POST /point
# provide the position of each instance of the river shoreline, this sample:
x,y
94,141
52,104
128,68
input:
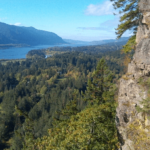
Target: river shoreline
x,y
21,52
6,46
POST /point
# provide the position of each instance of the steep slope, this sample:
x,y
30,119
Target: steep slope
x,y
10,34
134,92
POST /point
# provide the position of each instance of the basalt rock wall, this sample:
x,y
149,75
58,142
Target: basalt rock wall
x,y
133,125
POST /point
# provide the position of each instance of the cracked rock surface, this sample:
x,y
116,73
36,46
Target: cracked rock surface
x,y
131,93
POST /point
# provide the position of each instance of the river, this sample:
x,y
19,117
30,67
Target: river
x,y
20,52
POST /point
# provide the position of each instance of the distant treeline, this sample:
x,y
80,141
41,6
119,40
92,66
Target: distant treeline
x,y
94,49
5,46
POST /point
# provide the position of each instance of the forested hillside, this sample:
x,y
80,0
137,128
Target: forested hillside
x,y
14,35
34,94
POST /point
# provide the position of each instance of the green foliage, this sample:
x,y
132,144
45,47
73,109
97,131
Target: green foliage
x,y
136,133
130,45
129,15
37,89
101,86
94,127
25,135
70,109
43,90
146,106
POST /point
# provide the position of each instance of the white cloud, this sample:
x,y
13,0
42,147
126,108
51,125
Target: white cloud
x,y
111,23
100,9
17,24
108,26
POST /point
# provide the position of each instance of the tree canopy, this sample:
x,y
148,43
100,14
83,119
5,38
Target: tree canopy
x,y
40,87
93,128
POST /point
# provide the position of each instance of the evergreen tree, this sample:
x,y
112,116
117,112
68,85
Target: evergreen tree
x,y
24,136
94,127
130,45
70,109
28,92
100,87
130,17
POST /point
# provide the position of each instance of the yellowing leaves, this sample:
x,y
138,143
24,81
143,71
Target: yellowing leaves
x,y
77,132
73,74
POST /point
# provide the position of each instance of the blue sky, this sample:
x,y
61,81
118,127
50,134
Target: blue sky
x,y
86,20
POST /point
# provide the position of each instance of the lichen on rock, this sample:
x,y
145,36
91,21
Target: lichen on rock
x,y
144,5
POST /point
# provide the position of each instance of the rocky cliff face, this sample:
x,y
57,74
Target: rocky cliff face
x,y
134,91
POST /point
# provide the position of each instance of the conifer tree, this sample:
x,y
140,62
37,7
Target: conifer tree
x,y
70,109
25,134
100,87
94,127
130,17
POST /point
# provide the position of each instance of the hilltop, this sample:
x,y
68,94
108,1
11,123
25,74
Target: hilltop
x,y
11,34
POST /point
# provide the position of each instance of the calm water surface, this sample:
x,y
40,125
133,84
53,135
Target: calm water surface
x,y
20,52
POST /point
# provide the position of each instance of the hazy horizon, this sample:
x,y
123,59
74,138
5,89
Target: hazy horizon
x,y
76,20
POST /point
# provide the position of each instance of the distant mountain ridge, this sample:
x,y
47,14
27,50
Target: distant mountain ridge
x,y
125,39
122,39
10,34
75,41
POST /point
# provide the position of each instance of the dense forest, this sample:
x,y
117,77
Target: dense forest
x,y
38,94
66,98
94,49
